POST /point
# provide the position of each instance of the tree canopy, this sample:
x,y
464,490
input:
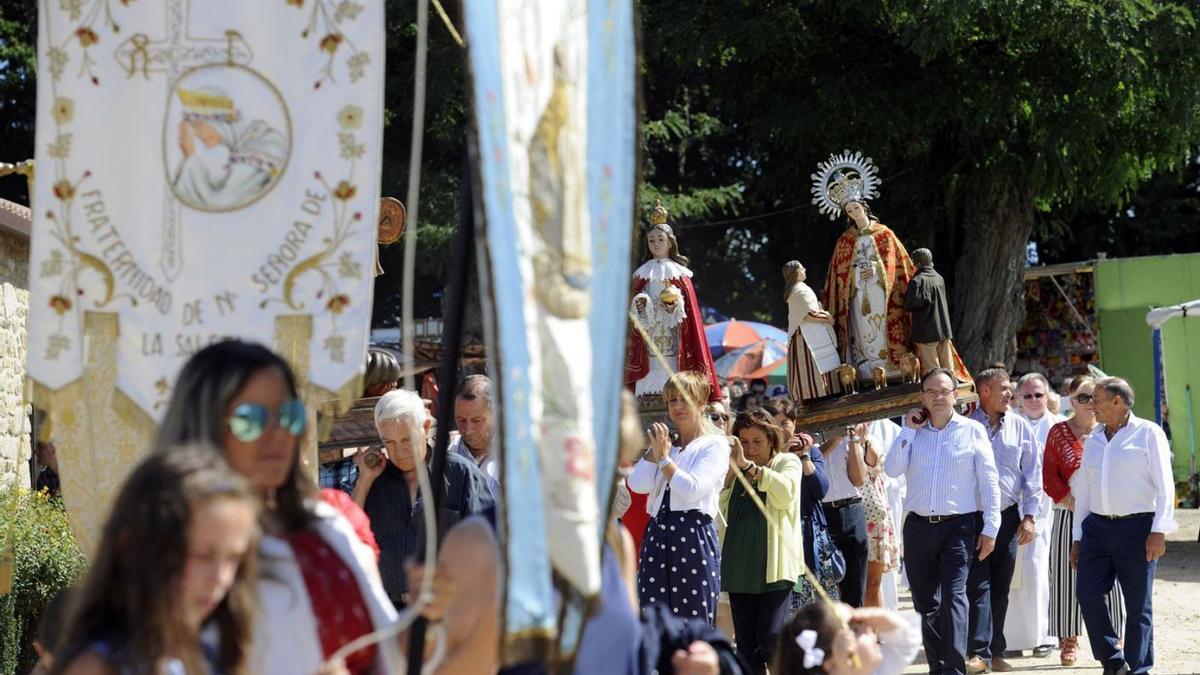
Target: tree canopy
x,y
983,116
992,121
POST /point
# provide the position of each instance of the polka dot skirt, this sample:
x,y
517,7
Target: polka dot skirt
x,y
680,563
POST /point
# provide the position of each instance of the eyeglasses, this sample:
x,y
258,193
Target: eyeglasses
x,y
937,393
1084,398
1029,396
718,417
250,420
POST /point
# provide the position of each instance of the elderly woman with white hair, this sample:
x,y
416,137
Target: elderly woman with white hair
x,y
388,488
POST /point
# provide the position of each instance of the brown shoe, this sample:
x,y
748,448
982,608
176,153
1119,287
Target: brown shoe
x,y
999,665
1069,651
976,665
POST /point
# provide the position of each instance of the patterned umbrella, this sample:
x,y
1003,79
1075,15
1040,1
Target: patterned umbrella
x,y
774,373
726,336
739,363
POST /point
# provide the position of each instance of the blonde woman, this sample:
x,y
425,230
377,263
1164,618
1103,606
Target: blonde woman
x,y
680,562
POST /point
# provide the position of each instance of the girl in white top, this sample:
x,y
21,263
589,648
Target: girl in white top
x,y
680,561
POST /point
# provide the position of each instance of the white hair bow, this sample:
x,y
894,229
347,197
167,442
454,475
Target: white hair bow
x,y
813,655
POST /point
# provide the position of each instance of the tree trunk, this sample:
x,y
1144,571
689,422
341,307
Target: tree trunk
x,y
990,221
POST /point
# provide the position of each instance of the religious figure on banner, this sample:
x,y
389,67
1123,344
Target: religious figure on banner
x,y
812,343
226,162
870,270
563,267
665,305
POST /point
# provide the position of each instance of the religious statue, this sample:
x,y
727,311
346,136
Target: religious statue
x,y
926,300
664,307
870,270
812,343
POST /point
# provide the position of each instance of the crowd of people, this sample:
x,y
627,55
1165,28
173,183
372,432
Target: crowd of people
x,y
747,544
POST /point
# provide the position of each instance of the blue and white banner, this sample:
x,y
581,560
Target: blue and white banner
x,y
556,115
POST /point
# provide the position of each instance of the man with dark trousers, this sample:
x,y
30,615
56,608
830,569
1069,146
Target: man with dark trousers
x,y
1019,465
846,469
953,507
1124,508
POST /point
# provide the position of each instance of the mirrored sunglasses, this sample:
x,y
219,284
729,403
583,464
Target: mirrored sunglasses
x,y
250,420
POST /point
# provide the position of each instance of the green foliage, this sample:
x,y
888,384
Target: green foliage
x,y
443,156
1077,103
46,559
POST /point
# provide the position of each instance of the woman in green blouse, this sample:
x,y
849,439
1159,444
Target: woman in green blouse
x,y
760,561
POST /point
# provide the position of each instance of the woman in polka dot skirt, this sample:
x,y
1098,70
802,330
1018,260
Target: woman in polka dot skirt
x,y
680,561
760,560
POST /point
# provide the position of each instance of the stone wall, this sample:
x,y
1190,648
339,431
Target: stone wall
x,y
14,309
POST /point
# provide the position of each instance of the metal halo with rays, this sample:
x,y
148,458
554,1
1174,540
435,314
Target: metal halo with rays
x,y
842,178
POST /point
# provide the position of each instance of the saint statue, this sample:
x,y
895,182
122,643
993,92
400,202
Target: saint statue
x,y
227,162
870,270
812,343
926,300
664,304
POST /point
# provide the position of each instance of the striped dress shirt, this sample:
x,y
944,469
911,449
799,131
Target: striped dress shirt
x,y
1015,449
948,471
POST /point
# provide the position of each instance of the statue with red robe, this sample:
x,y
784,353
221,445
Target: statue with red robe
x,y
868,276
665,307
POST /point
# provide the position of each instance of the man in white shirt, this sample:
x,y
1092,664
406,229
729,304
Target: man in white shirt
x,y
953,505
846,469
1125,495
473,417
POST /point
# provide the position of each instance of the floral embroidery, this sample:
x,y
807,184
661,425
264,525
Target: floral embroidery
x,y
332,263
326,15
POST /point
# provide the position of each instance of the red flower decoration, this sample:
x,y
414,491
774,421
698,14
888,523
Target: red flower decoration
x,y
60,304
337,303
87,36
331,42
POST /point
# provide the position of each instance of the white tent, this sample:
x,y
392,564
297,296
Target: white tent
x,y
1158,316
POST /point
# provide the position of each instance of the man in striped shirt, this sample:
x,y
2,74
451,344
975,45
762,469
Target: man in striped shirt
x,y
1018,458
953,514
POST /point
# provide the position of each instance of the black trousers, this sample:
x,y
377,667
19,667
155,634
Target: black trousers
x,y
987,589
757,620
938,558
848,529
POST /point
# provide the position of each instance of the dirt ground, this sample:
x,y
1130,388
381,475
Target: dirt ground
x,y
1176,613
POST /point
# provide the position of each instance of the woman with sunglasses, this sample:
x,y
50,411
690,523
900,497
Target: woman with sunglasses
x,y
760,557
319,587
1064,453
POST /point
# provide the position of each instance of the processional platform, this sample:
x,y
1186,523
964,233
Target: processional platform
x,y
839,410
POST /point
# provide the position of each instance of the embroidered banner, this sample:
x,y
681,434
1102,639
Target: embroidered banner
x,y
555,106
205,169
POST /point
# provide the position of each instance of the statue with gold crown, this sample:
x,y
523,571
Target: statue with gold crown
x,y
870,270
868,276
664,304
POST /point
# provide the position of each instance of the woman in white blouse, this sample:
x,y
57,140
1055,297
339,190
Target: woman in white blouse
x,y
680,561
